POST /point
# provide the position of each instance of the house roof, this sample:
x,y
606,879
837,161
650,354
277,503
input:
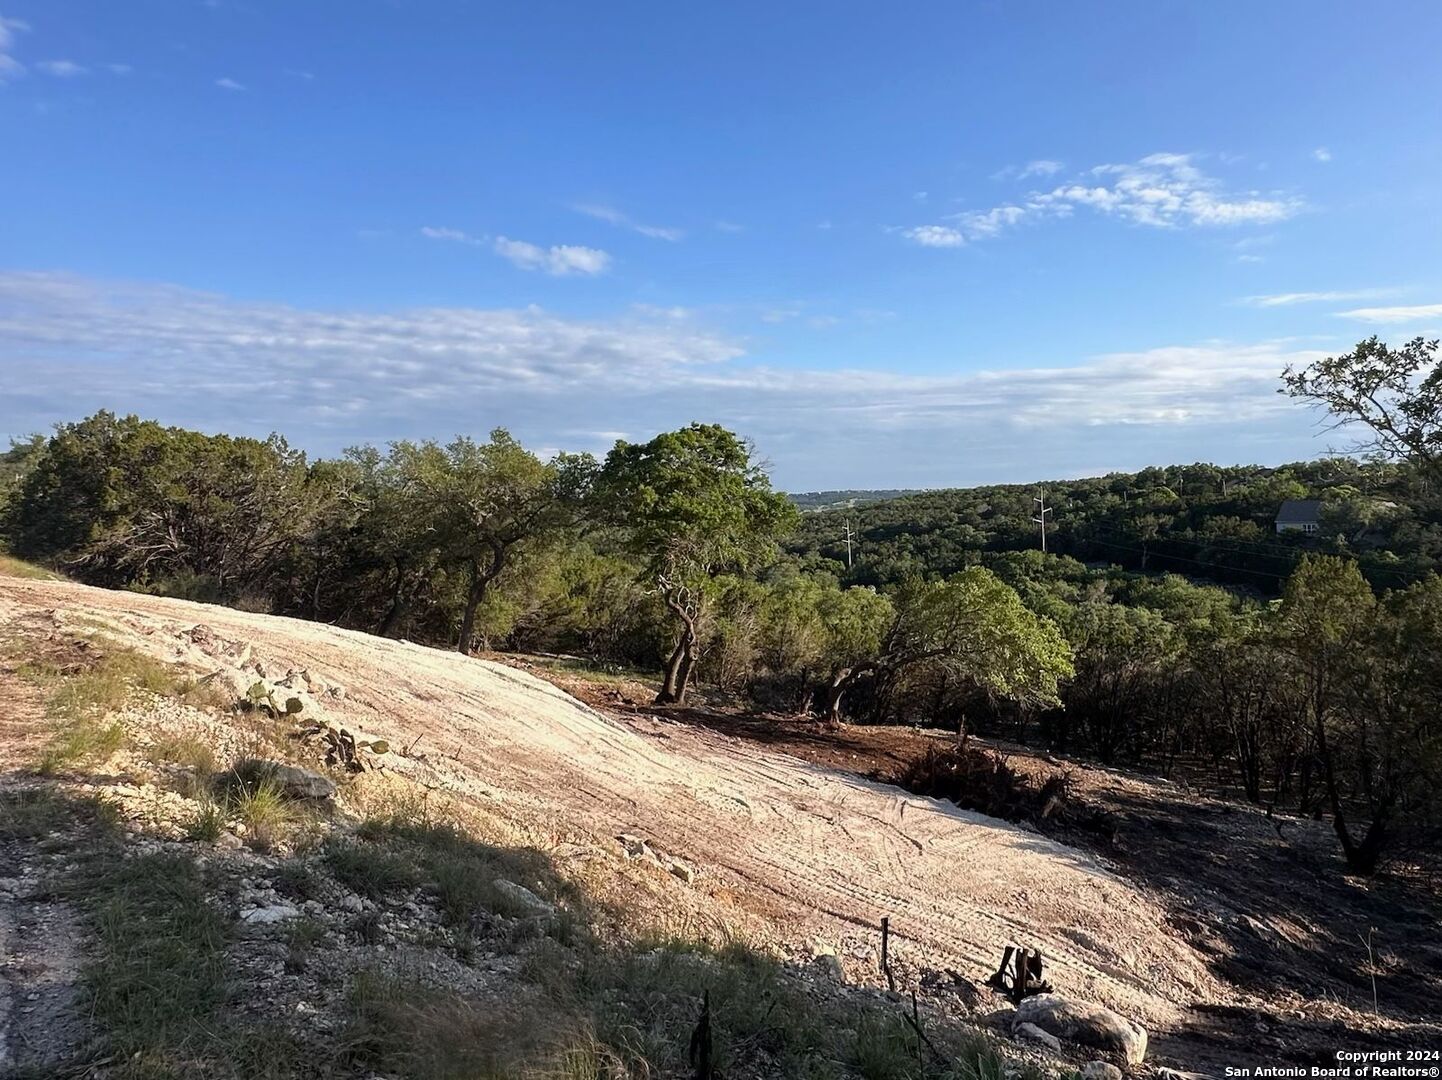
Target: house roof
x,y
1299,511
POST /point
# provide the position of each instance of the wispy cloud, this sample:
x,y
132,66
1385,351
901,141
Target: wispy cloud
x,y
1394,314
1160,191
940,236
1322,154
1043,167
559,260
1040,167
10,67
61,69
119,69
441,232
229,84
200,359
1268,300
612,216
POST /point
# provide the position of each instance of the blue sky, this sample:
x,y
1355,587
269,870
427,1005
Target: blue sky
x,y
895,245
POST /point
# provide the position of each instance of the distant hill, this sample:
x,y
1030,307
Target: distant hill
x,y
1202,521
839,500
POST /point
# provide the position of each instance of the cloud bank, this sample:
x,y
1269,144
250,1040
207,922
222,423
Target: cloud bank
x,y
326,378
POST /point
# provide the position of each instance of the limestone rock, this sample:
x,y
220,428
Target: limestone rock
x,y
1100,1070
1032,1033
297,783
682,870
523,899
1085,1023
636,848
265,916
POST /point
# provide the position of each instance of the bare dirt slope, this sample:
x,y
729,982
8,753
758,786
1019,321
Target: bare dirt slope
x,y
822,854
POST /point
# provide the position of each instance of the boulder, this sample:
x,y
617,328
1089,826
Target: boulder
x,y
522,899
297,783
1100,1070
1032,1033
830,963
1085,1023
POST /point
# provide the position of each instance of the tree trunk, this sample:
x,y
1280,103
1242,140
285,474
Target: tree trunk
x,y
480,581
842,680
396,609
678,668
683,657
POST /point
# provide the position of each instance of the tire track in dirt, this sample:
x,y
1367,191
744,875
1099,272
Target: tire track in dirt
x,y
836,852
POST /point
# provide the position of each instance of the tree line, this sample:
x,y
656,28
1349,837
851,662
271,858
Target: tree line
x,y
1320,692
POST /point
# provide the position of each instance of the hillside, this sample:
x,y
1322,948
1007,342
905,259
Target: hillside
x,y
800,860
1202,521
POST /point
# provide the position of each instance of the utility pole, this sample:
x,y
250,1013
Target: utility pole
x,y
848,543
1042,510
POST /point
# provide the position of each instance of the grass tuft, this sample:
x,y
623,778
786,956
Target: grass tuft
x,y
159,968
369,869
208,823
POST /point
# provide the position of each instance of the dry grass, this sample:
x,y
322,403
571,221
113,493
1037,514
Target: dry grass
x,y
86,681
18,568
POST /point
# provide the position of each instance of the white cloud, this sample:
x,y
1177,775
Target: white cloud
x,y
10,68
441,232
61,69
942,236
229,84
1289,299
119,69
1160,191
1394,314
332,377
612,216
559,260
1043,167
1322,154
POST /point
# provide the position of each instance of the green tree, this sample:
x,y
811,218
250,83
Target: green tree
x,y
1396,394
1120,652
693,505
123,501
1326,625
974,628
481,501
1389,737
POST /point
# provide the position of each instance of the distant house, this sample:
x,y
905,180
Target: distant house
x,y
1300,515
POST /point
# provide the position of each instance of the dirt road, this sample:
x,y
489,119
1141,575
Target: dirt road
x,y
830,854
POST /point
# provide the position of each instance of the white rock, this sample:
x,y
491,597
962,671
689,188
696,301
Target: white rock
x,y
264,916
523,898
1085,1023
1100,1070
